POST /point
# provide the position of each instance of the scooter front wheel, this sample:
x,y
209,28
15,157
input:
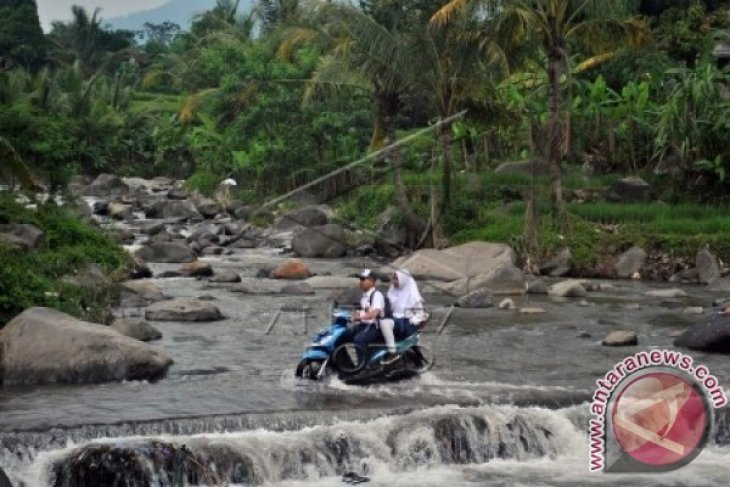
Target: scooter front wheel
x,y
309,369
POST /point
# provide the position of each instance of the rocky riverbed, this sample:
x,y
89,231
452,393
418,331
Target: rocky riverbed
x,y
519,357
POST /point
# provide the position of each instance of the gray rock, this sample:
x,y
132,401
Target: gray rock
x,y
177,209
183,309
568,289
686,275
537,286
154,229
137,329
208,208
463,261
630,190
226,276
708,268
23,235
323,241
90,277
713,336
178,193
166,252
197,269
297,288
481,298
621,338
209,251
559,265
666,293
105,185
507,304
42,345
140,292
629,262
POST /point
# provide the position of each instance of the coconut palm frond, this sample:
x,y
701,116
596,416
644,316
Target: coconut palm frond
x,y
12,165
449,10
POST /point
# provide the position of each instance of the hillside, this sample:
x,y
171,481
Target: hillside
x,y
178,11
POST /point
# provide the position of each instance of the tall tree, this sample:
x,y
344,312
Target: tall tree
x,y
555,28
21,36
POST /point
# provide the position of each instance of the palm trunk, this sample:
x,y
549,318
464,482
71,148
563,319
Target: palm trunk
x,y
445,136
555,134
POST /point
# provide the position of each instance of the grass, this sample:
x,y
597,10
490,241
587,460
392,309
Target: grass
x,y
33,278
483,212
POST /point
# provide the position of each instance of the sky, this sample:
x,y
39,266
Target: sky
x,y
50,10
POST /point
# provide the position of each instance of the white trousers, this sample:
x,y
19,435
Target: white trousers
x,y
386,328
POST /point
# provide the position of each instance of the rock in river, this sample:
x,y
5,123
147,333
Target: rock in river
x,y
183,309
42,345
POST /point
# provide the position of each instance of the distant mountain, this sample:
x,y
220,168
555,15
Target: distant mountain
x,y
179,11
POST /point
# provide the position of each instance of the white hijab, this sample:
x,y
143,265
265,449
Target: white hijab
x,y
405,297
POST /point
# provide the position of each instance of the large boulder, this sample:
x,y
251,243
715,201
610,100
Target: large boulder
x,y
500,280
310,216
559,265
707,266
323,241
21,235
183,309
523,168
42,345
106,185
721,284
291,269
137,329
119,211
630,262
166,252
630,190
713,336
463,261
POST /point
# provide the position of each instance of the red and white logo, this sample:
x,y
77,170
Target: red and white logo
x,y
660,419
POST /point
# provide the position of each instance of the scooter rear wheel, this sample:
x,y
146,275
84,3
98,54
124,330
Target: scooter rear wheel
x,y
349,358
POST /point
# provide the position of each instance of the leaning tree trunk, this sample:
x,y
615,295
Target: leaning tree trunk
x,y
555,135
415,225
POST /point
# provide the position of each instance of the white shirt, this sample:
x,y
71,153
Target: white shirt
x,y
378,303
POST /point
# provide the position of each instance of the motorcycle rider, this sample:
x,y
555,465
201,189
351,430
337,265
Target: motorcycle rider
x,y
407,309
372,308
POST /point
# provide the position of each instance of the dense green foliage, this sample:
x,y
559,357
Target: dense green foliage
x,y
33,278
21,38
293,90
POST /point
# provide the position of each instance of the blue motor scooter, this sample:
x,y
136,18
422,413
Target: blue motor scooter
x,y
332,353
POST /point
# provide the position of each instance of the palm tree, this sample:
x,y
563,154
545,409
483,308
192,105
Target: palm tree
x,y
368,51
553,27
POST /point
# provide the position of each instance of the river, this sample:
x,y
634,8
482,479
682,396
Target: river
x,y
504,405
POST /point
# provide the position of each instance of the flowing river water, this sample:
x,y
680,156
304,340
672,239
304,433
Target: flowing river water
x,y
506,403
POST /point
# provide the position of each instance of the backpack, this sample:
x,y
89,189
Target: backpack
x,y
388,311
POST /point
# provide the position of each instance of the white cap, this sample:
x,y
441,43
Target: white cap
x,y
365,274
